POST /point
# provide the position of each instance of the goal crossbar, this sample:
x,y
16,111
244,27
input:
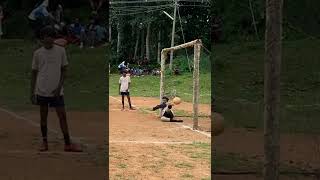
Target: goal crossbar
x,y
196,44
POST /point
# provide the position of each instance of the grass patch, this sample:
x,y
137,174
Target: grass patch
x,y
123,166
85,86
187,176
201,155
184,165
239,80
148,86
201,145
236,163
207,178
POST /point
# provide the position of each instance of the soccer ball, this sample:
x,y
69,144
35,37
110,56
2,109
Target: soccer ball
x,y
176,100
218,124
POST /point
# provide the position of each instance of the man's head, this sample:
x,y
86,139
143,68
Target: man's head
x,y
124,73
76,20
165,99
47,35
170,106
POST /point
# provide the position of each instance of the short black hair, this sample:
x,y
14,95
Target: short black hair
x,y
47,31
164,97
170,106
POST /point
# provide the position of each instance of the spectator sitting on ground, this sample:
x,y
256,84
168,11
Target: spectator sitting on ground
x,y
78,31
101,34
92,32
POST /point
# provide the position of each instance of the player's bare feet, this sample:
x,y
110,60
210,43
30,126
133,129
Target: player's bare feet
x,y
72,148
122,109
132,108
44,147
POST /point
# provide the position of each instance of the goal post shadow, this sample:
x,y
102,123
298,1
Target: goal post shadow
x,y
196,44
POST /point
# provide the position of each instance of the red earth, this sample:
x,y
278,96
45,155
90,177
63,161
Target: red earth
x,y
20,139
143,147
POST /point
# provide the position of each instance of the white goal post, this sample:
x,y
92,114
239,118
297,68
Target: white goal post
x,y
196,44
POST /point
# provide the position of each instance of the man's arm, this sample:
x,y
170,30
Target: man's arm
x,y
61,82
159,106
129,83
119,85
34,75
63,75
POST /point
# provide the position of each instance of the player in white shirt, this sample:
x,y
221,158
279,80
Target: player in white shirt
x,y
124,85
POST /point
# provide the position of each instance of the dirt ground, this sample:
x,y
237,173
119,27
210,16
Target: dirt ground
x,y
20,138
254,177
297,150
143,147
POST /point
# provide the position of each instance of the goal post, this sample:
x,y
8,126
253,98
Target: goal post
x,y
196,44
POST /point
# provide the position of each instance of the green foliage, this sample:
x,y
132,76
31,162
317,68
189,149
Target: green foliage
x,y
184,65
17,26
148,86
239,84
194,22
301,19
84,88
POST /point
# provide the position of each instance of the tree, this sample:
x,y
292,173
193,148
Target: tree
x,y
273,48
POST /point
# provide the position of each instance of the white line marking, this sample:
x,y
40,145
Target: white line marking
x,y
201,132
151,142
179,124
35,124
40,153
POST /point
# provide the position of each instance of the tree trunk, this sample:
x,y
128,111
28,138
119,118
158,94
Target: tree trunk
x,y
119,39
159,47
1,17
136,46
273,50
253,20
148,42
110,29
142,44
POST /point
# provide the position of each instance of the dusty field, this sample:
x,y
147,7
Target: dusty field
x,y
143,147
20,138
297,150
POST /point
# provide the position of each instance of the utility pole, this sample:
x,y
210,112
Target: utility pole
x,y
173,32
272,80
1,17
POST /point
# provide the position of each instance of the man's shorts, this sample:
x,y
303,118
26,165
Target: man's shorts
x,y
125,94
50,101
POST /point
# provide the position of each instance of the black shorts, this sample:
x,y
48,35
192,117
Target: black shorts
x,y
168,114
125,94
50,101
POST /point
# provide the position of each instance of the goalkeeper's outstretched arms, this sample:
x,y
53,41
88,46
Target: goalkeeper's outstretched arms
x,y
159,106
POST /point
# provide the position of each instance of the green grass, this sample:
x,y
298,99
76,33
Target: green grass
x,y
238,81
184,165
236,163
149,86
85,86
123,166
188,176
